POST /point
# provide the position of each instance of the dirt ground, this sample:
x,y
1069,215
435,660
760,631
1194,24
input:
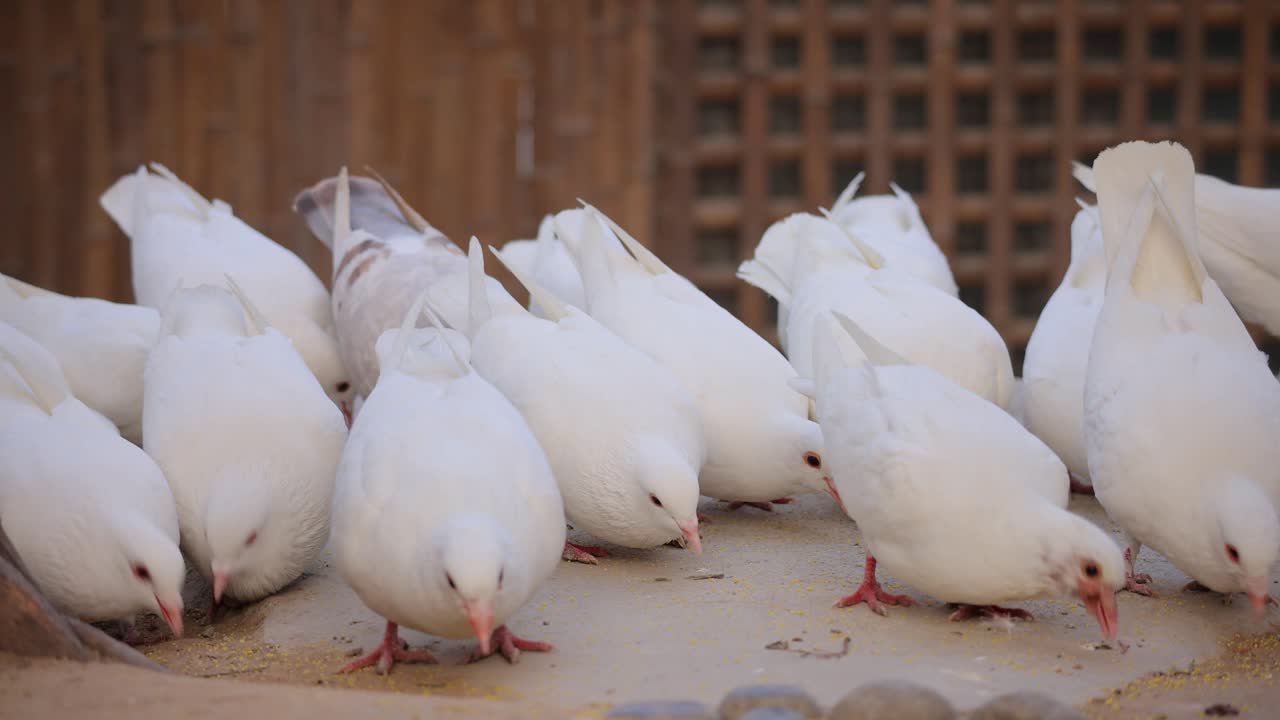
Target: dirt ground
x,y
666,624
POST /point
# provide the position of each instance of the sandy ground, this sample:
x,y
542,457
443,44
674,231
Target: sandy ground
x,y
754,608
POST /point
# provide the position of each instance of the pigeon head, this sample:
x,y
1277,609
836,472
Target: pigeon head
x,y
667,493
474,566
244,535
1247,538
148,568
1084,561
798,455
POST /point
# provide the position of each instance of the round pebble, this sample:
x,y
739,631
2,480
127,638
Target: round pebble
x,y
743,700
1025,706
893,700
662,710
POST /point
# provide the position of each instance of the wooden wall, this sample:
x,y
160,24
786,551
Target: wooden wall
x,y
484,113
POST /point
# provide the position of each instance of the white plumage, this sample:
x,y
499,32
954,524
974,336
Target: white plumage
x,y
446,517
1181,412
180,239
89,513
950,492
247,439
1053,370
760,443
101,346
547,262
621,432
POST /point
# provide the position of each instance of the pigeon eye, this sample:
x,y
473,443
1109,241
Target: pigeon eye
x,y
654,499
344,386
1233,553
141,572
253,537
1091,570
449,577
812,460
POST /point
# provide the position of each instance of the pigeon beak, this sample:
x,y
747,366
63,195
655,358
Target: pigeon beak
x,y
480,615
1102,606
689,529
835,494
172,615
221,573
1256,587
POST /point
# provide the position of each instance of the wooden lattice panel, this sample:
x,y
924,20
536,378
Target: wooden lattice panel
x,y
978,108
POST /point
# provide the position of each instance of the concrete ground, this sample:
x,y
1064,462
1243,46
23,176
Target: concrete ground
x,y
755,607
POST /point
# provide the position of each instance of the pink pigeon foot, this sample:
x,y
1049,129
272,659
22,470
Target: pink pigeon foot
x,y
968,612
506,642
583,553
765,506
1135,582
391,650
345,407
1081,487
871,593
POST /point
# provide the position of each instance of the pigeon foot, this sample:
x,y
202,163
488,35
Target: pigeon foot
x,y
386,654
765,506
506,642
586,554
1080,486
968,612
871,593
1135,582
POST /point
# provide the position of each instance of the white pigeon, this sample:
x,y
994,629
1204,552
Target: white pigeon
x,y
101,346
1181,411
621,432
1237,243
89,513
951,494
446,517
379,268
892,224
831,268
247,439
1052,393
547,262
180,239
761,445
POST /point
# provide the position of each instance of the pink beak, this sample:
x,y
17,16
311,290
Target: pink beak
x,y
835,494
481,619
172,616
1258,597
1102,605
689,530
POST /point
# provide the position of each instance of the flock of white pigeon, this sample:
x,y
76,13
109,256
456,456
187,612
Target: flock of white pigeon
x,y
240,417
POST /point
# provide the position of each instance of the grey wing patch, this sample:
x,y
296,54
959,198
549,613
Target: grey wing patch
x,y
372,210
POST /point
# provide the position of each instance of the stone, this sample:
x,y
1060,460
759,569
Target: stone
x,y
662,710
893,700
1025,706
743,700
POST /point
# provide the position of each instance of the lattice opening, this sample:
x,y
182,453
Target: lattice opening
x,y
726,298
1100,106
1162,105
718,181
974,47
719,53
1103,45
910,174
1221,105
975,296
785,52
784,115
1035,108
973,110
1032,236
848,51
842,172
849,112
1273,104
1029,298
1275,42
1222,42
784,5
909,49
784,179
717,246
971,174
1037,46
910,111
1271,166
1162,43
971,238
1034,173
1220,162
718,117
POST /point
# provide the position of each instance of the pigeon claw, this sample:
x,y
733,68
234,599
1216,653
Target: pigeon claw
x,y
968,612
509,645
387,653
586,554
872,594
